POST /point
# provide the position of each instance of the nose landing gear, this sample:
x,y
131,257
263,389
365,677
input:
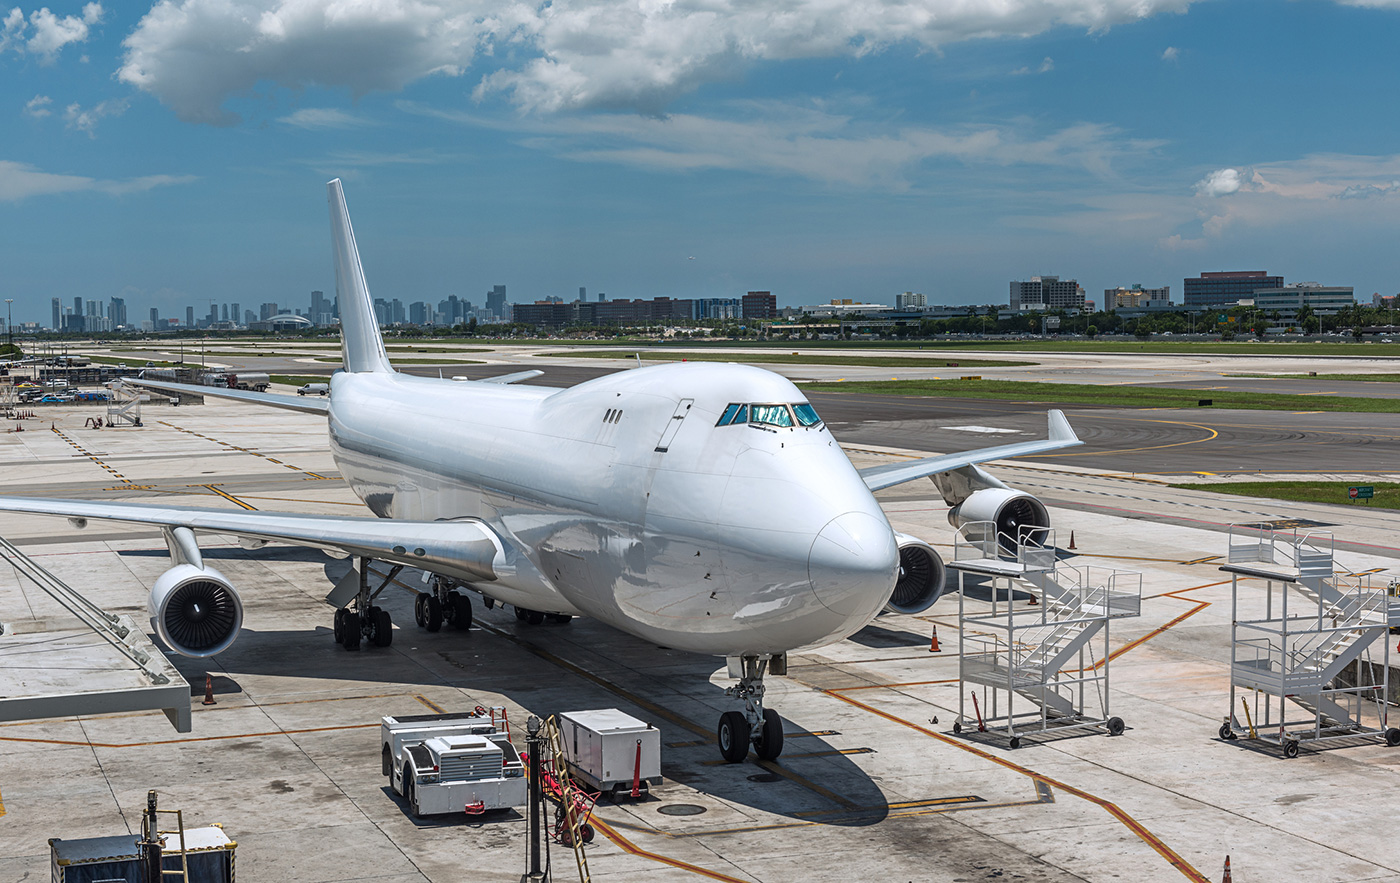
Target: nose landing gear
x,y
755,726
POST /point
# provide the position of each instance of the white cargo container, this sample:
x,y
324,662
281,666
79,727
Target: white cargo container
x,y
443,763
609,750
208,856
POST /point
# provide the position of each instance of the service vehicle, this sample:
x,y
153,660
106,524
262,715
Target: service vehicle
x,y
458,762
314,389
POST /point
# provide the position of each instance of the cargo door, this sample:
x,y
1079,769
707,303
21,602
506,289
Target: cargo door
x,y
674,425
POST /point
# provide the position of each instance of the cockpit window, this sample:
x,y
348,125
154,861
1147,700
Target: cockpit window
x,y
806,414
774,415
734,414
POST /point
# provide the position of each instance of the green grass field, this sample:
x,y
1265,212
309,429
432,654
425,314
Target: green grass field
x,y
400,361
1359,378
767,358
299,379
1387,494
1117,396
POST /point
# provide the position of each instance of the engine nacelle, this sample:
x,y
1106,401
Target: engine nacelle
x,y
1018,517
195,611
922,576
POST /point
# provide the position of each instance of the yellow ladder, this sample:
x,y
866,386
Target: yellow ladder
x,y
567,792
151,819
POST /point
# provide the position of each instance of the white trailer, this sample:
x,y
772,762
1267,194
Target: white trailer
x,y
442,763
611,751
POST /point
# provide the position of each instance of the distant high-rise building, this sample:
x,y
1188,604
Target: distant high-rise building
x,y
267,311
77,306
496,301
760,305
1324,300
910,300
1136,296
582,293
116,311
189,317
419,313
249,317
602,298
1225,288
235,315
155,316
1047,293
57,314
322,309
397,315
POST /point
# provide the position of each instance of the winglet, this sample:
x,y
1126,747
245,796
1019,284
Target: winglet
x,y
362,347
1060,430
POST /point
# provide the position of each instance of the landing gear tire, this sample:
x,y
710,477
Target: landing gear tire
x,y
420,610
462,611
1290,748
1392,737
350,630
770,739
434,611
1227,733
339,625
1116,726
520,613
558,618
382,633
733,736
534,617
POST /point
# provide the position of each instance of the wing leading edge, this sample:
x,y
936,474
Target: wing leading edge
x,y
270,399
1061,436
467,547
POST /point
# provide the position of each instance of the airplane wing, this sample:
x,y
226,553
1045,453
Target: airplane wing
x,y
305,404
444,545
1061,436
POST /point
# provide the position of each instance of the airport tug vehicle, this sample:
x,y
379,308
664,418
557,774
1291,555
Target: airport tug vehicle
x,y
453,763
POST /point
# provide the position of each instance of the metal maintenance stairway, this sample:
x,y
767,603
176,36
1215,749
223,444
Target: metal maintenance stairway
x,y
1313,648
1051,652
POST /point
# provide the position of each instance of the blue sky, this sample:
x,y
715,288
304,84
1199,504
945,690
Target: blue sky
x,y
176,154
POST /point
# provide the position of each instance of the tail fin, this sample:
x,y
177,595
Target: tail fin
x,y
361,345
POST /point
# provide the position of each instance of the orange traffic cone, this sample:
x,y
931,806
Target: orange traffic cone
x,y
1071,539
933,644
1226,878
209,690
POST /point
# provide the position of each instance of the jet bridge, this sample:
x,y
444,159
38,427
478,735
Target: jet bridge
x,y
102,663
1293,644
1042,666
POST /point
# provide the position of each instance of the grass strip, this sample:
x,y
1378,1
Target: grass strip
x,y
299,379
419,349
1387,493
755,358
414,361
1116,396
1358,378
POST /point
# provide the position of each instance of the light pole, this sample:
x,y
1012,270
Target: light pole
x,y
536,745
9,322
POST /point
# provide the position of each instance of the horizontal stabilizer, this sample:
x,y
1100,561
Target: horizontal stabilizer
x,y
512,378
268,399
1061,436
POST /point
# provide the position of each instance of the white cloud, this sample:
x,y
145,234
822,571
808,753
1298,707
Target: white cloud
x,y
86,120
1174,242
821,145
323,118
1221,182
626,54
21,180
44,33
38,106
1171,53
1045,67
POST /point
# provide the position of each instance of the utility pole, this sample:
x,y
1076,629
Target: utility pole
x,y
9,321
535,745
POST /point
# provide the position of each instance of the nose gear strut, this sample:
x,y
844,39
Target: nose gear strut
x,y
756,726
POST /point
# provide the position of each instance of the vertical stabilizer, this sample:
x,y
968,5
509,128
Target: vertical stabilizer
x,y
360,343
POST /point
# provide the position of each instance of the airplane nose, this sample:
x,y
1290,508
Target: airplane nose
x,y
853,564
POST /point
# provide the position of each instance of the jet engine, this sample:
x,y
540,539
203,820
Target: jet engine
x,y
195,610
921,576
1017,515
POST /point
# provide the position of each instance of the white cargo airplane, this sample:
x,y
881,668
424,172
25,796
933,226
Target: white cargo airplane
x,y
704,507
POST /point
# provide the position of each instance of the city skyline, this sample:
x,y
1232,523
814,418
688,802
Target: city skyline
x,y
943,152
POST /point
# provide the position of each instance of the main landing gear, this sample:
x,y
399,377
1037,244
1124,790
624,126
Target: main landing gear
x,y
755,726
362,621
442,604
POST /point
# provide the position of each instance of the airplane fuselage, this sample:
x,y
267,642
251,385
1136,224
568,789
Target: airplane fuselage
x,y
624,501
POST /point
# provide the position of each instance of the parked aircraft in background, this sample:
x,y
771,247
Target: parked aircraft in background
x,y
700,506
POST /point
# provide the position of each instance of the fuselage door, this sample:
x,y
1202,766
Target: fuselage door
x,y
674,425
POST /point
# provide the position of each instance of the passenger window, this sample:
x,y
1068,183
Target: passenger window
x,y
775,415
806,414
728,416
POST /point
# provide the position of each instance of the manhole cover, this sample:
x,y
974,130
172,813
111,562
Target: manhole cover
x,y
680,809
764,777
